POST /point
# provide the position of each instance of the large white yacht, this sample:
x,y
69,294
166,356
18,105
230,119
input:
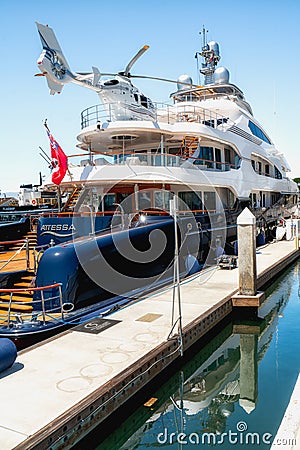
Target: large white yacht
x,y
206,147
196,162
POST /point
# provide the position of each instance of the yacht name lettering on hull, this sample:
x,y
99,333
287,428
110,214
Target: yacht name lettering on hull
x,y
55,228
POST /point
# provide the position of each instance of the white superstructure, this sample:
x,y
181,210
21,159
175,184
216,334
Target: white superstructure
x,y
206,147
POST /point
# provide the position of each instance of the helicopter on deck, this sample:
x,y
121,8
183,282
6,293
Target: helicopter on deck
x,y
119,96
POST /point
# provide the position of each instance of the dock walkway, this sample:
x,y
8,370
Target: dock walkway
x,y
59,390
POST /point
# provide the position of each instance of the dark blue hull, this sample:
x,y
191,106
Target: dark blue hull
x,y
14,230
112,268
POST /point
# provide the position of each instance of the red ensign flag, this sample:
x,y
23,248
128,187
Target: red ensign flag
x,y
59,160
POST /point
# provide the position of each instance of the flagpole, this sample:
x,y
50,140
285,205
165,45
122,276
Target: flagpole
x,y
57,158
58,199
46,126
58,187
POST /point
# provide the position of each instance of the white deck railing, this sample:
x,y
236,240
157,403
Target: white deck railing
x,y
163,113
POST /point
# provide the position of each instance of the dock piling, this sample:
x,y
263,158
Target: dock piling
x,y
247,295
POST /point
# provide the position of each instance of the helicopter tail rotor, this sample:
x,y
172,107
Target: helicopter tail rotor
x,y
52,62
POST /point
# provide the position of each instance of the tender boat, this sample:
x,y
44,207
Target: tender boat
x,y
153,177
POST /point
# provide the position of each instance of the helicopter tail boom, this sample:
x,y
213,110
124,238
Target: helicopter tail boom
x,y
54,66
52,62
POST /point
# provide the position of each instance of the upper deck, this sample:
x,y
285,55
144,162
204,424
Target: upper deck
x,y
102,133
213,91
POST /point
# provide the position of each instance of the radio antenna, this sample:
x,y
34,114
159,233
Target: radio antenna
x,y
204,35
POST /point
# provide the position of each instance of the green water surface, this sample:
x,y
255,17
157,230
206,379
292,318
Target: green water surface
x,y
233,393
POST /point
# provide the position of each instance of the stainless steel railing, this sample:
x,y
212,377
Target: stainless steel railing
x,y
163,113
20,311
16,253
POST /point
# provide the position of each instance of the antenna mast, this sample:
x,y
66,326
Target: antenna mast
x,y
210,54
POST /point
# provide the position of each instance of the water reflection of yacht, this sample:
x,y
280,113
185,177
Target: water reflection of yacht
x,y
197,397
219,375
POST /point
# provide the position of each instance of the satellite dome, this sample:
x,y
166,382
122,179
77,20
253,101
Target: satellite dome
x,y
183,79
214,46
221,75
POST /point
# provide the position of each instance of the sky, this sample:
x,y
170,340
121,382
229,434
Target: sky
x,y
259,44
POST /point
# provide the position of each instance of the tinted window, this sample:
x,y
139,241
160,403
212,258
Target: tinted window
x,y
258,132
277,173
206,156
144,101
218,158
210,201
192,199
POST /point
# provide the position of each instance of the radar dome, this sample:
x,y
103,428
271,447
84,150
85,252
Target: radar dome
x,y
214,46
221,75
184,79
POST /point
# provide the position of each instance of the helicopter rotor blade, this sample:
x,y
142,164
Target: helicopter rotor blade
x,y
133,60
167,80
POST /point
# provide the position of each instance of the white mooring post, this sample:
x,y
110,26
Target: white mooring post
x,y
247,253
248,295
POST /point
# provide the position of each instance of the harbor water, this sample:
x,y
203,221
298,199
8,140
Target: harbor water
x,y
232,393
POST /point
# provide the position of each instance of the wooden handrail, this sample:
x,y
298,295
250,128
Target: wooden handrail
x,y
12,242
30,288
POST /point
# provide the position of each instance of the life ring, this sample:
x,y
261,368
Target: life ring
x,y
33,202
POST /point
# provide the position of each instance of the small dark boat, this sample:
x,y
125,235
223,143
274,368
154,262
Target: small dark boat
x,y
14,230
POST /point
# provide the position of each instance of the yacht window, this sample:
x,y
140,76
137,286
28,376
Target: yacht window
x,y
121,197
108,202
237,161
210,200
278,174
162,198
253,164
232,158
218,158
206,156
192,200
253,199
258,132
228,156
259,167
267,169
118,159
144,199
136,97
230,199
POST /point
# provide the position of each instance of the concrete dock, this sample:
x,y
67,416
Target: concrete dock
x,y
59,390
288,434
